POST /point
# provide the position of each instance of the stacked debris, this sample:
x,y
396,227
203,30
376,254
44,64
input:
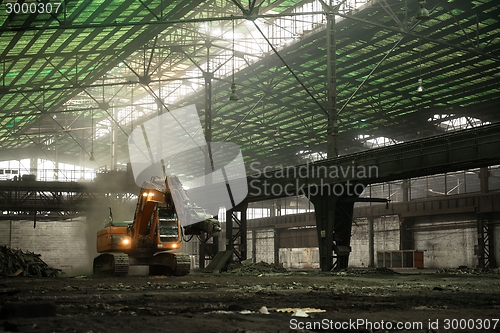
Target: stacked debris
x,y
19,263
257,268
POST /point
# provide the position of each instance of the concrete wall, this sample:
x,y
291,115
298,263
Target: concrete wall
x,y
5,232
386,237
264,245
299,258
68,245
359,256
442,248
386,233
447,248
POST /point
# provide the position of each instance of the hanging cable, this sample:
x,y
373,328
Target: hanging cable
x,y
92,158
233,96
420,86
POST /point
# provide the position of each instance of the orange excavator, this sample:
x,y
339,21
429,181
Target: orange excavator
x,y
154,237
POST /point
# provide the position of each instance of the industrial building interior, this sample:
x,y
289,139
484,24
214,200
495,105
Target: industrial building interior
x,y
409,87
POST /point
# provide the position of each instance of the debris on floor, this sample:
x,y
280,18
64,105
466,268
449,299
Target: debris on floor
x,y
300,312
257,268
355,272
467,270
245,312
384,270
19,263
264,310
6,291
201,302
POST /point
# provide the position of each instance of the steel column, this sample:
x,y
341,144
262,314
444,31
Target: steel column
x,y
211,248
236,231
484,234
331,73
484,250
333,224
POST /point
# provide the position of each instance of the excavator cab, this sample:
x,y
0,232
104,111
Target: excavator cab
x,y
169,226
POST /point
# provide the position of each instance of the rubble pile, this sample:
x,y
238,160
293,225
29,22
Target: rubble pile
x,y
384,270
19,263
257,268
467,270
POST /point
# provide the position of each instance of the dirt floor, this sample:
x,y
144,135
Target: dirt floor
x,y
349,301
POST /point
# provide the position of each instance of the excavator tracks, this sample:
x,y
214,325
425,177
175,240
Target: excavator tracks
x,y
183,264
168,263
162,263
111,264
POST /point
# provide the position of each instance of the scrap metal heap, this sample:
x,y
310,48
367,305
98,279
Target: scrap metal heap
x,y
19,263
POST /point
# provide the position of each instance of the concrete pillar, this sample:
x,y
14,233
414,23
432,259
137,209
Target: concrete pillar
x,y
371,243
405,185
33,166
276,246
272,210
406,237
484,176
254,245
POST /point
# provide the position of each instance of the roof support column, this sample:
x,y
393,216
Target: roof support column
x,y
485,236
333,208
236,232
331,75
213,247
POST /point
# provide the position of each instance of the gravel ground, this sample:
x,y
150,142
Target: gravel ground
x,y
253,300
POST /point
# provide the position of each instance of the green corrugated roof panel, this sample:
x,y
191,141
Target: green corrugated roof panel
x,y
387,100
